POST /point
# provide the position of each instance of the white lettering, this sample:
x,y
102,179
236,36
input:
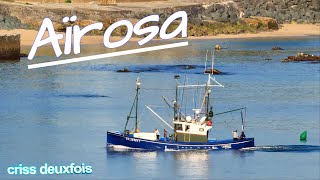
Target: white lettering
x,y
53,39
152,30
107,34
181,28
78,34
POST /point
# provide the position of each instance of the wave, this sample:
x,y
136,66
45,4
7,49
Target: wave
x,y
284,148
121,148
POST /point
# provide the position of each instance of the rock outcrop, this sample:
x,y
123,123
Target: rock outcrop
x,y
302,57
123,70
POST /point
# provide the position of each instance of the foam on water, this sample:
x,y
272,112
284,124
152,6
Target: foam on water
x,y
122,148
284,148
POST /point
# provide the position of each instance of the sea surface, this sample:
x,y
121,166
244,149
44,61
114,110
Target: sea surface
x,y
59,115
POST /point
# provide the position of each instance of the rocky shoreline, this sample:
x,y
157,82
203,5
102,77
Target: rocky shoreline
x,y
206,18
210,18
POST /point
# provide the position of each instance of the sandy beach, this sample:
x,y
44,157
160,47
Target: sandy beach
x,y
286,30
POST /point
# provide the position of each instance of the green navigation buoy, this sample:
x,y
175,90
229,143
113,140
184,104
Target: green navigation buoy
x,y
303,136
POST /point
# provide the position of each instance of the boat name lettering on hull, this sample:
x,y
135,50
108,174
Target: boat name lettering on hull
x,y
213,147
132,139
226,146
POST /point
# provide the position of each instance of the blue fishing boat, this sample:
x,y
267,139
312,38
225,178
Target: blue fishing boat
x,y
189,132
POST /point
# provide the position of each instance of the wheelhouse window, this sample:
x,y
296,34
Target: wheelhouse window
x,y
178,127
201,129
187,128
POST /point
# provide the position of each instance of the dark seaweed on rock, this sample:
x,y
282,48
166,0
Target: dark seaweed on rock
x,y
181,68
302,57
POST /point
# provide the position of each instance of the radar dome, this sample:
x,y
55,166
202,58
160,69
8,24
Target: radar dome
x,y
188,119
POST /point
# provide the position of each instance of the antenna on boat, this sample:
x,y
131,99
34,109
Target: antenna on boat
x,y
135,103
205,63
242,126
212,61
175,102
243,118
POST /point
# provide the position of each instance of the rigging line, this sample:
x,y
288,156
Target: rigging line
x,y
182,96
227,124
168,112
157,106
179,112
167,107
204,100
194,100
159,117
232,116
141,120
158,122
198,96
228,111
185,105
157,89
129,115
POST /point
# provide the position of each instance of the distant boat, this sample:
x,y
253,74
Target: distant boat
x,y
190,132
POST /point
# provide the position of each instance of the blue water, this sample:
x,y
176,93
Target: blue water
x,y
59,115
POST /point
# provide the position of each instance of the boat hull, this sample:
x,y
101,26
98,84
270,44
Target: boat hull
x,y
115,139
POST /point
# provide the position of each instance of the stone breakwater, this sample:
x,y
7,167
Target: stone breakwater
x,y
10,47
284,11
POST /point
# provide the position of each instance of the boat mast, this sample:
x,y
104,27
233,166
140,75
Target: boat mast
x,y
175,104
208,102
135,103
138,83
208,113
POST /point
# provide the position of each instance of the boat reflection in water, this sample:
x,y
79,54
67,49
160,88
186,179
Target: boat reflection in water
x,y
181,164
192,164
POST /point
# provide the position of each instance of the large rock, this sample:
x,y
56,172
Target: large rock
x,y
302,57
259,22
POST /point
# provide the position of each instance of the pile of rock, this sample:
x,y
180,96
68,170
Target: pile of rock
x,y
222,12
275,48
300,11
123,70
302,57
212,71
